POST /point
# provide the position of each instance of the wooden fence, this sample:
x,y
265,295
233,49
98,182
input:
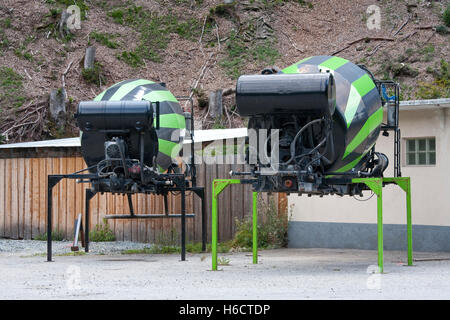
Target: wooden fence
x,y
23,200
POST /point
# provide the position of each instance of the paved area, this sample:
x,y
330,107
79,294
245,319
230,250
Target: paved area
x,y
280,274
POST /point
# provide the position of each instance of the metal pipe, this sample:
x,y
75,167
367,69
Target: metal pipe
x,y
49,219
147,216
183,225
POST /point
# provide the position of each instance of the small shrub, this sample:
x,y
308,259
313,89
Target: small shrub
x,y
102,233
272,230
442,30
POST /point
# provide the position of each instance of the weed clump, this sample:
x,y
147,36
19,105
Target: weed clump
x,y
101,233
95,75
105,39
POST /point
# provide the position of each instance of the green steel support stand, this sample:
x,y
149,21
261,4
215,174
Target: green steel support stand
x,y
218,186
376,185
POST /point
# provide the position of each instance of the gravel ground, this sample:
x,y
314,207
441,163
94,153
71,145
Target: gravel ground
x,y
280,274
34,247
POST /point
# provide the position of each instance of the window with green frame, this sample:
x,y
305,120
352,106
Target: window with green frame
x,y
421,151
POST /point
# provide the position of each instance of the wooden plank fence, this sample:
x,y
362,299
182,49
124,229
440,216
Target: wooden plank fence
x,y
23,203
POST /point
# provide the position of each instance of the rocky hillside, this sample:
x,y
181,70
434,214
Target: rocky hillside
x,y
197,46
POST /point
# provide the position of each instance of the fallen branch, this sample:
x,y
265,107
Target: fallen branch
x,y
30,122
402,26
65,73
408,36
362,39
26,73
228,91
424,27
292,43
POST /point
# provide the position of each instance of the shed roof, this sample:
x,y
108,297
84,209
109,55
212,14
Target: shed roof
x,y
199,136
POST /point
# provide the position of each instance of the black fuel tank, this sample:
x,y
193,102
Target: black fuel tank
x,y
114,115
309,94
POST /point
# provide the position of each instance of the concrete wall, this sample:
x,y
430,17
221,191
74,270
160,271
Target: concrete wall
x,y
337,222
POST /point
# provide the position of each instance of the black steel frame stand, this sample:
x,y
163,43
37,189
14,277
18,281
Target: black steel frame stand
x,y
53,180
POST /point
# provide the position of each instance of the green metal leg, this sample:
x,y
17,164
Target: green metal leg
x,y
255,227
376,185
214,229
409,222
380,231
218,186
405,184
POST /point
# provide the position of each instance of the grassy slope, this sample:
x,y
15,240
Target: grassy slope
x,y
170,41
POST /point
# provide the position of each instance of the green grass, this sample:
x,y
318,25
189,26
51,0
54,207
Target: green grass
x,y
11,88
427,52
439,87
154,32
72,253
239,53
57,235
105,39
191,247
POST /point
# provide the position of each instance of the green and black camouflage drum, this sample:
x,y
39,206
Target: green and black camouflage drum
x,y
358,114
172,121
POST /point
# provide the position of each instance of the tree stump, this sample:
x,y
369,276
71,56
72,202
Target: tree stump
x,y
57,106
215,104
62,25
89,58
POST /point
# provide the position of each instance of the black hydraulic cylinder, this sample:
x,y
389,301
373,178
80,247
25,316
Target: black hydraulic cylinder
x,y
308,93
114,115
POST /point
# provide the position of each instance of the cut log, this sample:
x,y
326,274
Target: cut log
x,y
89,58
57,106
62,25
215,104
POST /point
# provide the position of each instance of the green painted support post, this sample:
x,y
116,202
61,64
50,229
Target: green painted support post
x,y
255,227
380,230
214,228
409,222
376,185
405,184
218,186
